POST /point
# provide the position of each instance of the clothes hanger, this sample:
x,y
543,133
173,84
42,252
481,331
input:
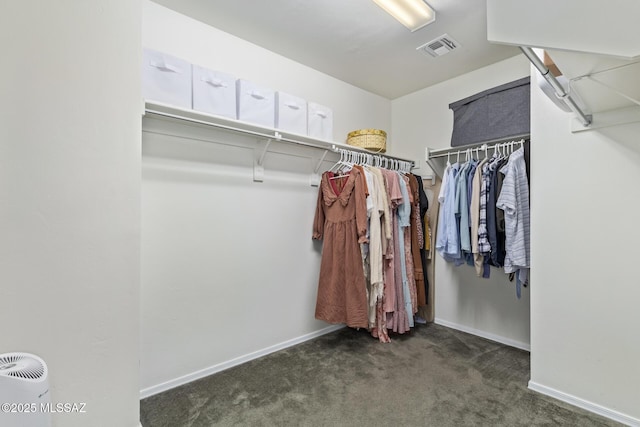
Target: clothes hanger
x,y
341,151
347,163
504,154
343,171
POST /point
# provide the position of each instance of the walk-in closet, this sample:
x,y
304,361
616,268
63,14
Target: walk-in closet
x,y
272,213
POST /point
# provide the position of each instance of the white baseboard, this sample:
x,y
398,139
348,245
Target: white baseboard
x,y
585,404
159,388
483,334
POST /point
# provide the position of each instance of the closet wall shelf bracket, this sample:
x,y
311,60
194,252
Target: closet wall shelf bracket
x,y
258,172
266,148
258,162
314,179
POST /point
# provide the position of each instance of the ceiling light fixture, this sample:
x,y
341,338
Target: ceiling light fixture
x,y
413,14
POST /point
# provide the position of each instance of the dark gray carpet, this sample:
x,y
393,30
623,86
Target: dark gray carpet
x,y
434,376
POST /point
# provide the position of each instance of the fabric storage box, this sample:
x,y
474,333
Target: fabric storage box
x,y
320,122
214,92
291,113
256,104
166,79
498,113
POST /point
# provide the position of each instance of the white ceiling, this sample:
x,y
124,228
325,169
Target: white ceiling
x,y
356,41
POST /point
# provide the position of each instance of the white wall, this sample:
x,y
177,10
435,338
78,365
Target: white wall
x,y
228,265
584,211
69,200
423,119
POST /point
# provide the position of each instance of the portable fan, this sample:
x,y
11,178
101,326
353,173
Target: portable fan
x,y
24,391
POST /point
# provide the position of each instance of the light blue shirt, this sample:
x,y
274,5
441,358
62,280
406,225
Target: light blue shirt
x,y
448,241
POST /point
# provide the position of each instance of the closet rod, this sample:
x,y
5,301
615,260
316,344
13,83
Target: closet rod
x,y
167,111
557,87
374,159
336,148
443,152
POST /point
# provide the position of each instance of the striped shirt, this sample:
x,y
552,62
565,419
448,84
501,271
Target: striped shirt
x,y
514,200
484,247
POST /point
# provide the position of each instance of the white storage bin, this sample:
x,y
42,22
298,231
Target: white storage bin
x,y
320,122
166,79
214,92
291,113
256,104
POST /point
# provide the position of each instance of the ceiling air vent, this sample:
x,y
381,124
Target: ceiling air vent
x,y
440,46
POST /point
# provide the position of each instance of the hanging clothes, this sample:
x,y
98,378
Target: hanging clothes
x,y
417,239
371,269
431,220
496,237
461,209
448,239
378,296
475,216
491,207
373,259
514,200
341,222
484,246
404,218
394,197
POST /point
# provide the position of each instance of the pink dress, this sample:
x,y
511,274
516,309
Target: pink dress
x,y
341,222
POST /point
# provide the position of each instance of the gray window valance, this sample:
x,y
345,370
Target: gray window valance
x,y
498,113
